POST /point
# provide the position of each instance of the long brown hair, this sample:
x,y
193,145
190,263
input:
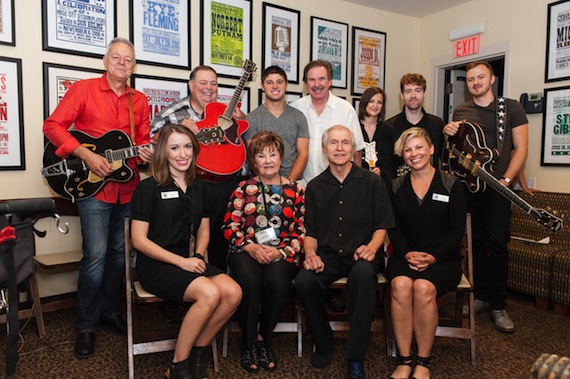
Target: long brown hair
x,y
365,99
159,164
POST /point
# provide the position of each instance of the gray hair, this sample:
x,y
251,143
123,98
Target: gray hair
x,y
120,40
325,136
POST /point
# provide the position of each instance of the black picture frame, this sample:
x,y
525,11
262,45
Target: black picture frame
x,y
368,59
557,65
226,91
160,91
555,151
329,42
174,47
60,32
8,22
12,146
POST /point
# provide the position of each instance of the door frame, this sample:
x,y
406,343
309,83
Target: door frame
x,y
442,63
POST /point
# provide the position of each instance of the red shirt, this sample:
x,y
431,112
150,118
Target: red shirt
x,y
95,109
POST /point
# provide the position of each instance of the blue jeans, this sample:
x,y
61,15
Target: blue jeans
x,y
102,267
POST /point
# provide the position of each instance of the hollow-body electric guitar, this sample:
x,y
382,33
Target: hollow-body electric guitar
x,y
222,151
467,156
71,178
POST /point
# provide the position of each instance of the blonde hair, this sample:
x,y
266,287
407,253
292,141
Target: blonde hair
x,y
408,134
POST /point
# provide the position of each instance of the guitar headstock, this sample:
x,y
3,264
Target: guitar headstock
x,y
249,66
549,220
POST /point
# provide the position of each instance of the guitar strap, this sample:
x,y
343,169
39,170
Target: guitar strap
x,y
501,122
132,116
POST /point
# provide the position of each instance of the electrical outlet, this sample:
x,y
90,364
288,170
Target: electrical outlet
x,y
531,182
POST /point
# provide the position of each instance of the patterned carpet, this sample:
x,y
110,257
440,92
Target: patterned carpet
x,y
498,355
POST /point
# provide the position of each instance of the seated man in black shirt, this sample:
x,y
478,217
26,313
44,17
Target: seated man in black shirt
x,y
347,213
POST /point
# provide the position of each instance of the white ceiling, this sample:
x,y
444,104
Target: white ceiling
x,y
415,8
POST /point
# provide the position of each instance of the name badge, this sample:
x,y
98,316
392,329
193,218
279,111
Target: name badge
x,y
439,197
265,236
169,195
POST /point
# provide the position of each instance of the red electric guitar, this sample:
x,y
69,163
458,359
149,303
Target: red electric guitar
x,y
222,152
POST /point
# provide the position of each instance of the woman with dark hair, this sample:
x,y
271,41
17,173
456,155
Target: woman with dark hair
x,y
371,114
170,229
429,207
265,228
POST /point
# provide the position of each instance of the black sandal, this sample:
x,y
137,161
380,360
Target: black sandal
x,y
404,361
424,362
249,358
266,356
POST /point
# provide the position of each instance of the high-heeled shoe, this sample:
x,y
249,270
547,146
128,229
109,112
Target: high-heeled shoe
x,y
424,362
404,361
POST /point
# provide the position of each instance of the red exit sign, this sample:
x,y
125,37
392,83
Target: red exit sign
x,y
467,46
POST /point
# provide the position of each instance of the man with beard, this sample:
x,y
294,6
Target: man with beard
x,y
412,91
323,110
504,123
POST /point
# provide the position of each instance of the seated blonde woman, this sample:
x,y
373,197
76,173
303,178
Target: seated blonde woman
x,y
429,208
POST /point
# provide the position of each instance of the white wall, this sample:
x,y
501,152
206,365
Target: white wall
x,y
521,25
402,56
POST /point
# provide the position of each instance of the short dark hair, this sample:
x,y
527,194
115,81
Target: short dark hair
x,y
273,70
365,99
483,63
412,78
201,68
262,140
318,63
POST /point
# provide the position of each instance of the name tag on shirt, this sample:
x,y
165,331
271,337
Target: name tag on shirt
x,y
169,195
439,197
265,236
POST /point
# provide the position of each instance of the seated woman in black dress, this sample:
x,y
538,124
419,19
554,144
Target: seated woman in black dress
x,y
429,207
170,229
265,228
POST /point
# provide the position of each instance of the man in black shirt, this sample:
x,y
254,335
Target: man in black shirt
x,y
347,214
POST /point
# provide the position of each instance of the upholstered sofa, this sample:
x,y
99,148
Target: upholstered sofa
x,y
542,269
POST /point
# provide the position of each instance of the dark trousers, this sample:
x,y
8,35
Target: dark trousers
x,y
361,301
491,221
219,195
265,291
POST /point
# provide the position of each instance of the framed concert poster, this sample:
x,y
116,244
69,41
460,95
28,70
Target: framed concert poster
x,y
558,42
329,42
226,35
290,96
160,92
281,38
556,127
226,92
12,155
7,23
79,27
57,80
368,59
160,31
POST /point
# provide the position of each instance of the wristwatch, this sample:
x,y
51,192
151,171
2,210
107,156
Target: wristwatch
x,y
507,180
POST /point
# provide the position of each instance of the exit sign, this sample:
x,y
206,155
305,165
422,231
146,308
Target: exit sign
x,y
467,46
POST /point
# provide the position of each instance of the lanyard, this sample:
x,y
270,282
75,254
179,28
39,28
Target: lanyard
x,y
267,214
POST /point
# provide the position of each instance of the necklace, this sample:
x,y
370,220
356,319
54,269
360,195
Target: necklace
x,y
279,202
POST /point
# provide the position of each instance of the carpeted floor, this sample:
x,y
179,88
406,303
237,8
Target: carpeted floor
x,y
498,355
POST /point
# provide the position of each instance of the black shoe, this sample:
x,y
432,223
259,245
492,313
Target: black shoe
x,y
320,360
198,362
355,370
84,345
114,323
179,370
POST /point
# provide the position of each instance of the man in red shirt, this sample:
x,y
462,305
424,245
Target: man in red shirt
x,y
96,106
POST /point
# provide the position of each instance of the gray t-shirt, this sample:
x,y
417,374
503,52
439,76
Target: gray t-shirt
x,y
290,125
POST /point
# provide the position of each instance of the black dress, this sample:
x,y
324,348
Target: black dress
x,y
436,225
170,212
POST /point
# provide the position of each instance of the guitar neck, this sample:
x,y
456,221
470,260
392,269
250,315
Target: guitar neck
x,y
125,153
235,98
495,184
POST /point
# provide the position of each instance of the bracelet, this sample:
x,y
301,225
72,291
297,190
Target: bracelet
x,y
283,253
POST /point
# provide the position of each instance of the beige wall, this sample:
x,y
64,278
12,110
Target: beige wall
x,y
521,26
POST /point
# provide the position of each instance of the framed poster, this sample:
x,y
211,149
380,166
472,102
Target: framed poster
x,y
329,42
7,23
160,92
368,59
160,31
281,39
558,42
81,27
12,155
290,96
226,92
226,35
556,127
57,80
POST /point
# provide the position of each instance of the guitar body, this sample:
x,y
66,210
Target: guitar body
x,y
470,140
71,177
223,153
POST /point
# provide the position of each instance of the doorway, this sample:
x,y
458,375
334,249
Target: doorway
x,y
455,88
